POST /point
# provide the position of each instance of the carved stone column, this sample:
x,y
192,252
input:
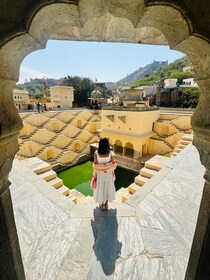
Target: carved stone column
x,y
137,154
124,151
198,266
11,266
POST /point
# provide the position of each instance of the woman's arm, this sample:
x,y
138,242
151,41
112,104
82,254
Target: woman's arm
x,y
95,159
112,156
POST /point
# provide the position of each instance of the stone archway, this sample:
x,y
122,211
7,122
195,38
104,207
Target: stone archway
x,y
159,22
129,151
118,147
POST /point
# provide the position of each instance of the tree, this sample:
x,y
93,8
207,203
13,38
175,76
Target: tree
x,y
82,89
188,98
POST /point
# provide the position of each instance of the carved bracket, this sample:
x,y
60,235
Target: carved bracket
x,y
122,118
110,117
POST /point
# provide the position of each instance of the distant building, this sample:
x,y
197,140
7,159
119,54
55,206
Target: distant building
x,y
96,100
188,68
139,96
170,83
61,96
189,83
21,99
167,93
101,86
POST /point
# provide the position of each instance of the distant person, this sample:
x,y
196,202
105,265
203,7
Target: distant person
x,y
42,107
104,176
45,107
38,107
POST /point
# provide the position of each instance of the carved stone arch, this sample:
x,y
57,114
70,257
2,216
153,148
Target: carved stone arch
x,y
118,147
129,150
177,28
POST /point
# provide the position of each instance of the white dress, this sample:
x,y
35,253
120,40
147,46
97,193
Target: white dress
x,y
105,188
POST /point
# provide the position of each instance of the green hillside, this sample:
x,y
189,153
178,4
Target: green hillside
x,y
172,70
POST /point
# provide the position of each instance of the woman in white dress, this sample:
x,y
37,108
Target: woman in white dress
x,y
105,188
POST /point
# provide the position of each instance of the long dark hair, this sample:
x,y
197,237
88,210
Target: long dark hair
x,y
103,147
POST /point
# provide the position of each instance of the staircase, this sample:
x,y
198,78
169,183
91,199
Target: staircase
x,y
185,140
151,168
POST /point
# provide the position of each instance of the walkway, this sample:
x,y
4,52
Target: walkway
x,y
148,237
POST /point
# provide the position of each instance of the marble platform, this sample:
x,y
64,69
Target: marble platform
x,y
148,237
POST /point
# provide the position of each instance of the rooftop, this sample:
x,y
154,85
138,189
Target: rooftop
x,y
127,108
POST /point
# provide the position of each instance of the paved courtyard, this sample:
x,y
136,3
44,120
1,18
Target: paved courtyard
x,y
147,237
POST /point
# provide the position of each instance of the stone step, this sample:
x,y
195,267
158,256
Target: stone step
x,y
177,150
56,183
37,165
64,190
140,180
88,200
76,196
180,146
157,162
185,142
48,175
126,197
119,194
147,172
133,188
188,137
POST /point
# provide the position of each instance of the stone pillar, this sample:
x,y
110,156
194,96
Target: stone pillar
x,y
11,266
198,266
136,154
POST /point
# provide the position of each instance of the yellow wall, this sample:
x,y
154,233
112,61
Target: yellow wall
x,y
54,125
21,99
157,147
136,122
173,139
61,96
164,128
60,130
182,123
47,134
30,149
65,116
27,129
67,157
71,130
43,136
61,141
37,120
50,153
124,139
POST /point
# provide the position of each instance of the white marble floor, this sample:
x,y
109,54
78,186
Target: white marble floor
x,y
148,237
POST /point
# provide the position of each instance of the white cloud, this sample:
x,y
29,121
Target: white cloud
x,y
27,74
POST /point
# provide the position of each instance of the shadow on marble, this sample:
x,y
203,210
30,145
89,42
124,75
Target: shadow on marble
x,y
106,247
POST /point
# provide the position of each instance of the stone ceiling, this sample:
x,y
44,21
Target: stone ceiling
x,y
119,21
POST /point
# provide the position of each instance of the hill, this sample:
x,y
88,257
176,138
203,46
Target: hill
x,y
36,86
142,72
173,70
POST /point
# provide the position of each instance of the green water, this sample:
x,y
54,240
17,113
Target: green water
x,y
79,177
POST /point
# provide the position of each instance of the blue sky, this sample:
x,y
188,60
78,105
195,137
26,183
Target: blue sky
x,y
108,62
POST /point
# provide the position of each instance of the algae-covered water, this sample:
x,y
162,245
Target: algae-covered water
x,y
79,177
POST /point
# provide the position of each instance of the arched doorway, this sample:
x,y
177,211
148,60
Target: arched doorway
x,y
79,123
182,26
77,146
118,148
129,151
